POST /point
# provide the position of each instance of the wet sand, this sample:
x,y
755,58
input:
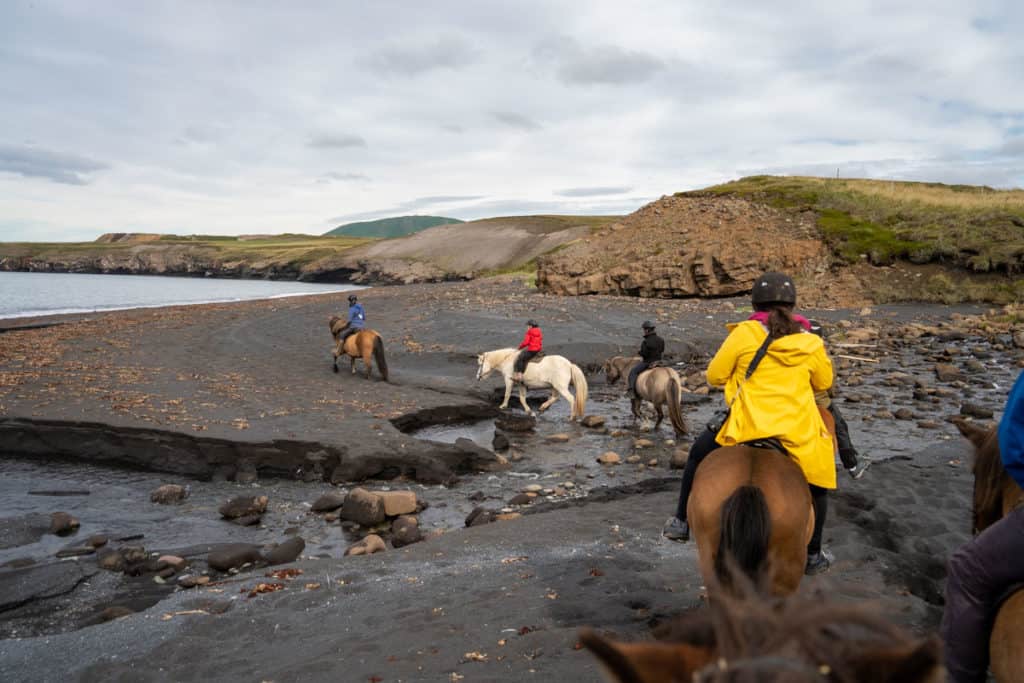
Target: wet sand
x,y
515,591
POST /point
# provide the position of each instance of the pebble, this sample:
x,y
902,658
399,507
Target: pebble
x,y
608,458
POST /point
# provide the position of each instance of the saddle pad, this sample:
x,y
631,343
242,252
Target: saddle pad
x,y
770,444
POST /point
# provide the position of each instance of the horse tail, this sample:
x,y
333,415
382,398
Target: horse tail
x,y
743,541
579,381
675,409
378,355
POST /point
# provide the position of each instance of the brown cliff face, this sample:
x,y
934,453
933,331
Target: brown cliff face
x,y
693,247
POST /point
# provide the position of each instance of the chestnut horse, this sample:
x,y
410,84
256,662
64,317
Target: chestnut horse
x,y
796,639
661,386
996,494
752,507
365,344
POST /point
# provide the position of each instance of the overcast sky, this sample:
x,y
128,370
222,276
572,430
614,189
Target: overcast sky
x,y
265,117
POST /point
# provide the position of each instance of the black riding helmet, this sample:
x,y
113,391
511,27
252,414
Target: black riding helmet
x,y
773,288
532,323
648,325
351,298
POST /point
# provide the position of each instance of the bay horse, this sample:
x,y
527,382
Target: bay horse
x,y
364,344
751,507
797,639
996,494
659,385
556,372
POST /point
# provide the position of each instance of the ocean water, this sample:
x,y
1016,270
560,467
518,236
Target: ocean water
x,y
35,294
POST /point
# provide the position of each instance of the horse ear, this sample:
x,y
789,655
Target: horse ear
x,y
918,662
974,433
647,662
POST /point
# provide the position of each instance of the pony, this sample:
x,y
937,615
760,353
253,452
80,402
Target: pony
x,y
996,494
658,385
749,637
556,372
365,344
752,506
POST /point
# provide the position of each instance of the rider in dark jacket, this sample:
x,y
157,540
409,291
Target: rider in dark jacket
x,y
651,349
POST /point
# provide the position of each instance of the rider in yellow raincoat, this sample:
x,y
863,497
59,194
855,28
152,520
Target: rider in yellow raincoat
x,y
776,401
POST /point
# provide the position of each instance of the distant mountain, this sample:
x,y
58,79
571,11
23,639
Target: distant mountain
x,y
398,226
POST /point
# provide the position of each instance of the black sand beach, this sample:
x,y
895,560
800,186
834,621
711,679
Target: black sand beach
x,y
241,399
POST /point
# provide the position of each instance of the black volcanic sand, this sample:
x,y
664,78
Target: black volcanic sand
x,y
512,593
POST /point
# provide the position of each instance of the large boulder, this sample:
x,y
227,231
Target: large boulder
x,y
328,502
405,530
363,507
511,422
233,556
63,524
244,507
398,502
168,494
285,552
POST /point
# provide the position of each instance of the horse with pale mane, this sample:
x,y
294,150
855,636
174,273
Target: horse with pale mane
x,y
659,385
364,344
554,372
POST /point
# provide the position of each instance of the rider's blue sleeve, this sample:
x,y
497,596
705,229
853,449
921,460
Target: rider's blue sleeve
x,y
1011,433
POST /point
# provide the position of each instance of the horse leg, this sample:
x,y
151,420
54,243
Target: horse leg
x,y
564,391
547,404
508,392
336,353
634,406
522,399
661,416
367,361
353,358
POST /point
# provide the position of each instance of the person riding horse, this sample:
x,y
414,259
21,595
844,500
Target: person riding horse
x,y
982,572
532,344
356,319
651,349
775,402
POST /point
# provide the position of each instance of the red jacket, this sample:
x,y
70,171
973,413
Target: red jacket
x,y
532,340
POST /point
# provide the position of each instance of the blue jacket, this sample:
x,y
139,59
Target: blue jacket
x,y
356,316
1011,433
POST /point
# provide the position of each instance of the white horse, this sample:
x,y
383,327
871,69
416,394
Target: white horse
x,y
551,371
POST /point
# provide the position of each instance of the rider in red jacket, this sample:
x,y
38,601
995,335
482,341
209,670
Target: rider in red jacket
x,y
532,344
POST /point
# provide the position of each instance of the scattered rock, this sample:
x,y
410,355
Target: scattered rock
x,y
168,494
609,458
111,560
883,414
171,561
405,530
948,373
328,502
975,410
76,551
286,552
368,546
363,507
679,457
398,502
929,424
642,443
97,540
593,421
904,414
533,488
63,524
246,475
233,556
244,506
247,520
500,442
515,423
479,516
507,516
522,499
558,438
191,581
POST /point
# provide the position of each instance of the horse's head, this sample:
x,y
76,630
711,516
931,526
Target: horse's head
x,y
483,367
990,478
611,370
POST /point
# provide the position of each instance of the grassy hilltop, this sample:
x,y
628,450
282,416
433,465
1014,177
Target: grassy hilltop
x,y
398,226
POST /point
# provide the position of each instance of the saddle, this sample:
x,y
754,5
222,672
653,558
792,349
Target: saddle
x,y
538,358
770,443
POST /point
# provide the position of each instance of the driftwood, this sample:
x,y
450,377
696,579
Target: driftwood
x,y
860,358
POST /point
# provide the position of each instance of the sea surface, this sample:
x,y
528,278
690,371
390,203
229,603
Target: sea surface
x,y
35,294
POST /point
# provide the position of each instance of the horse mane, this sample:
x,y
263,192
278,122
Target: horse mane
x,y
990,477
798,638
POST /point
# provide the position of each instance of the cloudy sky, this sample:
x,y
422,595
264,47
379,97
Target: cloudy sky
x,y
262,117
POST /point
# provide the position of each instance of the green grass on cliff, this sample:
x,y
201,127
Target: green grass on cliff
x,y
973,227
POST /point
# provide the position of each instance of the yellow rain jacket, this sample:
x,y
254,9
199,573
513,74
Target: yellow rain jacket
x,y
778,399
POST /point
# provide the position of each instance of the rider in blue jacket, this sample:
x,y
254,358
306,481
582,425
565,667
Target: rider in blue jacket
x,y
356,318
981,571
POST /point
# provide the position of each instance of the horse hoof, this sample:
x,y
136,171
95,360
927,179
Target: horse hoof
x,y
335,368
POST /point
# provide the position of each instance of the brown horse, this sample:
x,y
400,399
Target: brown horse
x,y
752,507
747,637
660,386
365,344
996,494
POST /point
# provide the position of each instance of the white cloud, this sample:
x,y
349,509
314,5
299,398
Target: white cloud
x,y
270,117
